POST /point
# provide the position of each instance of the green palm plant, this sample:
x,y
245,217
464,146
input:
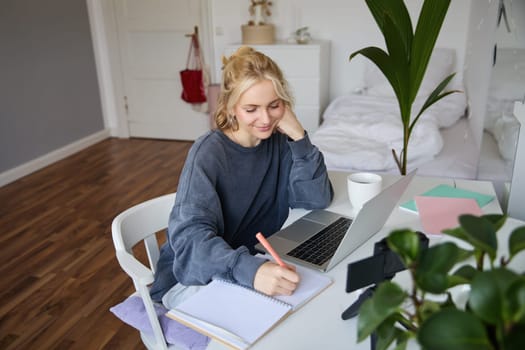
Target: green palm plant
x,y
405,62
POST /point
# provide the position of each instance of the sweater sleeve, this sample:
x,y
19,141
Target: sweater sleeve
x,y
309,185
201,254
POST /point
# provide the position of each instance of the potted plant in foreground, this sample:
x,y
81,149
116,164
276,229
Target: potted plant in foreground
x,y
405,62
493,316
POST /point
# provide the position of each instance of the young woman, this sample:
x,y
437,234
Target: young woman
x,y
241,179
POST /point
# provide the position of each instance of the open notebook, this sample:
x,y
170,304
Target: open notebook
x,y
238,316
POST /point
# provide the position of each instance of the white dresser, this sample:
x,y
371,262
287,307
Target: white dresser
x,y
306,68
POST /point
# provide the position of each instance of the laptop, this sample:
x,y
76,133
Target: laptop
x,y
321,238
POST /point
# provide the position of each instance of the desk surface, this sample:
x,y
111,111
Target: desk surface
x,y
318,324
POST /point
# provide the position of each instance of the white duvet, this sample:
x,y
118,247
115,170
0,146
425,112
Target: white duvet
x,y
359,132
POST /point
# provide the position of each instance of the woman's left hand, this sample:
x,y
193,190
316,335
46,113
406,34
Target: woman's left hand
x,y
290,125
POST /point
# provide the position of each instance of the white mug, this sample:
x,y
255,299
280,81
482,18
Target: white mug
x,y
362,187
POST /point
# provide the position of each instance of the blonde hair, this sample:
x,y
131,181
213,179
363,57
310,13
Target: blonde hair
x,y
240,71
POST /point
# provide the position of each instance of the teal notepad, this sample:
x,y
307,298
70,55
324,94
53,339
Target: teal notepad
x,y
450,192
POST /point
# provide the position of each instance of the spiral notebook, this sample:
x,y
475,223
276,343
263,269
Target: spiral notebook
x,y
238,316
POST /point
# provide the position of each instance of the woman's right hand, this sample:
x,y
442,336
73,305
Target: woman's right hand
x,y
290,125
272,279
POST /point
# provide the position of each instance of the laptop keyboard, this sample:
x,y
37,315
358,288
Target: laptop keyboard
x,y
322,246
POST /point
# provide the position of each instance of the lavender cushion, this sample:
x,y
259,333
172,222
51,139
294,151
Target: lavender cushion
x,y
133,312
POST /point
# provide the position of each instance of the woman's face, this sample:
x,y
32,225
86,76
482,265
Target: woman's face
x,y
258,112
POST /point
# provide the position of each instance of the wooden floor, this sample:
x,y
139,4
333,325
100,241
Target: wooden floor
x,y
59,275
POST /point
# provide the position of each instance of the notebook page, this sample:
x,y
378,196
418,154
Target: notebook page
x,y
236,309
208,329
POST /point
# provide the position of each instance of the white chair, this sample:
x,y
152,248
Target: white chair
x,y
140,223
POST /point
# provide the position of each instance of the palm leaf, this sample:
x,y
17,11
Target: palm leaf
x,y
398,13
384,62
398,56
428,27
434,97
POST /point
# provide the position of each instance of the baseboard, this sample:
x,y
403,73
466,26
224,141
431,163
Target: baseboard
x,y
51,157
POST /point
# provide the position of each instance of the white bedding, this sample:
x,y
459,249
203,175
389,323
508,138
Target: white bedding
x,y
359,132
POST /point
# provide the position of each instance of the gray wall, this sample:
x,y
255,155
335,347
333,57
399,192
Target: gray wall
x,y
49,95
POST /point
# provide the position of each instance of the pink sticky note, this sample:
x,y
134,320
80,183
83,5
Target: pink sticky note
x,y
440,213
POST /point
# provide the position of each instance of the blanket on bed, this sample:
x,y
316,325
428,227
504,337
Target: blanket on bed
x,y
360,131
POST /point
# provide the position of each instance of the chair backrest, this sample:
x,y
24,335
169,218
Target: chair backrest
x,y
141,223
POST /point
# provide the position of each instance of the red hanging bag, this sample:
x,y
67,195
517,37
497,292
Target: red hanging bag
x,y
192,77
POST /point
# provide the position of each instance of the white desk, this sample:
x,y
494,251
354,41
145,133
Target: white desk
x,y
318,324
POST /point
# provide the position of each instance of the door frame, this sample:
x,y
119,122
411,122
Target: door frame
x,y
103,27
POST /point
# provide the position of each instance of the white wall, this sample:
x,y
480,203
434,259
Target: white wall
x,y
347,24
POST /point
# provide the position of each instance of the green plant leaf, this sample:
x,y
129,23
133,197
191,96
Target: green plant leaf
x,y
398,56
481,233
517,241
516,299
378,9
406,244
384,303
436,94
457,232
398,13
498,220
434,265
434,97
453,329
402,340
428,308
464,254
488,295
515,338
454,280
427,30
386,65
466,272
387,333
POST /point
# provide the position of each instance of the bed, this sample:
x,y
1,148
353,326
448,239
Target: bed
x,y
359,130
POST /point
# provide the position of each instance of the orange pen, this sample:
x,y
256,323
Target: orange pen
x,y
270,250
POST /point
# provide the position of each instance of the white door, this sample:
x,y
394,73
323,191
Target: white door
x,y
153,48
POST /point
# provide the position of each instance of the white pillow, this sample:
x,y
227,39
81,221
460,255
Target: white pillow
x,y
440,66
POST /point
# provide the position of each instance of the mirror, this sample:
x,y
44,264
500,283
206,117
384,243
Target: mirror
x,y
507,85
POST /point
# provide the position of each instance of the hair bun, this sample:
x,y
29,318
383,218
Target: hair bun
x,y
241,51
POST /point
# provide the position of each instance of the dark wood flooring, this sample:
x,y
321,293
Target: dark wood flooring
x,y
59,274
